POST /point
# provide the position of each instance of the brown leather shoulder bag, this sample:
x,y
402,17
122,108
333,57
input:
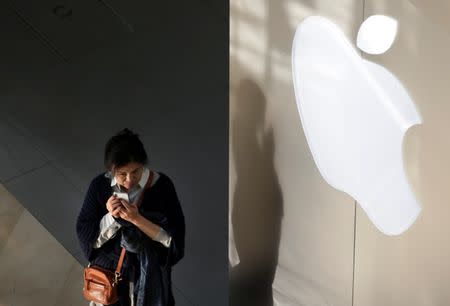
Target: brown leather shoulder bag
x,y
100,285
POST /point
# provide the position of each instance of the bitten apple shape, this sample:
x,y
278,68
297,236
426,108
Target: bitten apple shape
x,y
354,114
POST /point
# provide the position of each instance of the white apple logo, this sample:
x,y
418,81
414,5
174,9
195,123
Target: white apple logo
x,y
354,115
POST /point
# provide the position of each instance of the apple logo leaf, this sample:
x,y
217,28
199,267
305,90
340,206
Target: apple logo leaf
x,y
377,34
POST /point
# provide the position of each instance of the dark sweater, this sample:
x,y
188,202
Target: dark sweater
x,y
160,201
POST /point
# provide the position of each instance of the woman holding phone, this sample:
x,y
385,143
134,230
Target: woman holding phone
x,y
137,208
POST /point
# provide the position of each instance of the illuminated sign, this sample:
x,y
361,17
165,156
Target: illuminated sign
x,y
355,114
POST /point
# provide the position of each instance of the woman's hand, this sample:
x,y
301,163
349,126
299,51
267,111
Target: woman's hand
x,y
129,212
113,205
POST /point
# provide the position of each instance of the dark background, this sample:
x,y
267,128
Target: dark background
x,y
73,73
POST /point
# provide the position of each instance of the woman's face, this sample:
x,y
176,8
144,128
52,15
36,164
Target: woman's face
x,y
129,175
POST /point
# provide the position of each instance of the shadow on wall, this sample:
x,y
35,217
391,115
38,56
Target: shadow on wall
x,y
257,200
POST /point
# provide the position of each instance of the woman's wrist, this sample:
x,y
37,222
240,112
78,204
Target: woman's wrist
x,y
138,221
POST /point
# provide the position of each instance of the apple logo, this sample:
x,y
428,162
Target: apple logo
x,y
355,114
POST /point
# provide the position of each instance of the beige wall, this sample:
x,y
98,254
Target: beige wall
x,y
291,227
35,269
277,196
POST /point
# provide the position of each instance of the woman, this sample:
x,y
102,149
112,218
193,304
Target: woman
x,y
151,229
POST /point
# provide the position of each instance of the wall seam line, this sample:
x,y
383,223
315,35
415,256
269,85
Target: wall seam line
x,y
356,203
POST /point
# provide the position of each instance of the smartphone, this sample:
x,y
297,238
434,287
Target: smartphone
x,y
122,195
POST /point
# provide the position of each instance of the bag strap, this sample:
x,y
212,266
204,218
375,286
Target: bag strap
x,y
138,203
119,264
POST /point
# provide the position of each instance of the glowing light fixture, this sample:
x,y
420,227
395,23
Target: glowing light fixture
x,y
354,115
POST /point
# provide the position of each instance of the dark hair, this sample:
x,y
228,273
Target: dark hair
x,y
123,148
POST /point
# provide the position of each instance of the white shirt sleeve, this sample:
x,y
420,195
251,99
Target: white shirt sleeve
x,y
108,229
163,238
